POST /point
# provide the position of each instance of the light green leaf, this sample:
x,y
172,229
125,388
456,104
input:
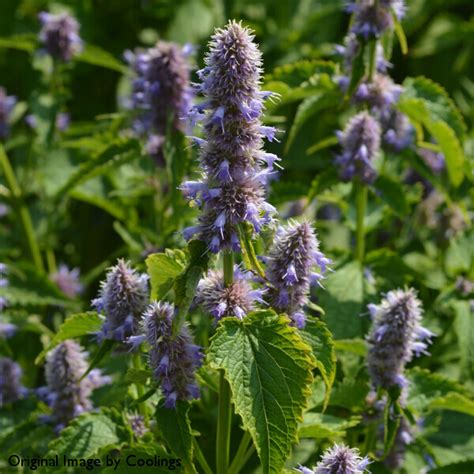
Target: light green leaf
x,y
163,269
342,301
464,328
84,436
354,346
317,425
175,428
76,325
98,57
25,42
402,39
268,367
455,402
319,338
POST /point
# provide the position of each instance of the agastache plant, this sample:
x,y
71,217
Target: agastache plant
x,y
161,92
59,36
123,298
7,103
11,388
396,337
339,459
291,266
67,280
236,168
173,359
67,393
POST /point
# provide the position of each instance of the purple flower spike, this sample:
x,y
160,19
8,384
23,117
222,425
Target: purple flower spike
x,y
360,143
59,36
66,394
68,281
123,298
161,92
7,102
237,299
11,388
290,269
398,133
232,157
380,94
173,360
396,336
339,459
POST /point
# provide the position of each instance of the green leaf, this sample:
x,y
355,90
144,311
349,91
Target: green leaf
x,y
342,301
249,255
358,71
307,109
98,57
84,436
325,143
268,367
76,325
455,468
319,338
464,329
455,402
104,349
354,346
164,269
317,425
140,376
175,428
402,39
24,42
393,194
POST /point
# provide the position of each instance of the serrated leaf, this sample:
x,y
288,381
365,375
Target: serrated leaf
x,y
163,269
317,425
175,428
76,325
249,255
342,301
268,367
99,57
85,436
307,109
319,338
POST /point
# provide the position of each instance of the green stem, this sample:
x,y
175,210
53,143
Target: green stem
x,y
51,260
21,209
200,457
137,364
224,416
238,462
372,59
361,205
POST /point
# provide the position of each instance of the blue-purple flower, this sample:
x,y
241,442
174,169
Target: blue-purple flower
x,y
173,359
371,18
66,394
360,143
235,166
11,388
68,280
59,36
137,424
123,298
339,459
161,91
3,284
396,337
7,103
379,94
398,132
237,299
294,262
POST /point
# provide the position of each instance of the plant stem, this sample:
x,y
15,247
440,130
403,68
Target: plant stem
x,y
137,364
200,457
372,60
21,209
361,204
224,415
238,462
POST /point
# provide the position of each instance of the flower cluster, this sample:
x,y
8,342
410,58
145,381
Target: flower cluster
x,y
59,36
67,280
161,91
3,284
396,336
339,459
290,266
11,388
236,299
63,121
137,424
232,190
174,360
373,17
66,394
123,298
360,142
7,102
